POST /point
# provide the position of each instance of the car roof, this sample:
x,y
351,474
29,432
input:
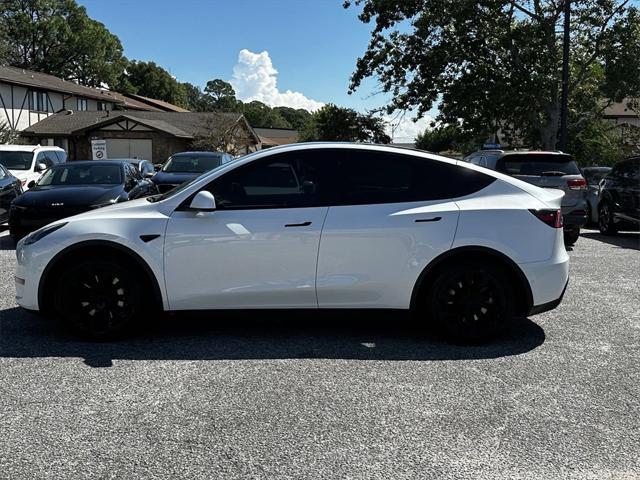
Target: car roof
x,y
199,154
130,160
28,148
81,163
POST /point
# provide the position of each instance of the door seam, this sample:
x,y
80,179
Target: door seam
x,y
315,281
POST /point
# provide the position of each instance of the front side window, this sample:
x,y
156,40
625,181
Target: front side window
x,y
289,180
16,160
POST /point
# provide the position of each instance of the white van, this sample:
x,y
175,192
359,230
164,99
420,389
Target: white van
x,y
27,162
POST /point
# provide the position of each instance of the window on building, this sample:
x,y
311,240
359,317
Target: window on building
x,y
102,106
82,104
38,101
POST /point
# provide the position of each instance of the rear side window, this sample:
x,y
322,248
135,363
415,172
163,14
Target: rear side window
x,y
370,177
538,164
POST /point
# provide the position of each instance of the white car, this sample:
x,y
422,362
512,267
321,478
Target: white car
x,y
310,226
28,162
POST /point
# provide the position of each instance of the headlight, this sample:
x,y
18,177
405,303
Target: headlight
x,y
104,204
41,233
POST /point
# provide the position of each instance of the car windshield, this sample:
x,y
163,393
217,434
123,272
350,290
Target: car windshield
x,y
82,175
593,177
539,164
16,160
192,163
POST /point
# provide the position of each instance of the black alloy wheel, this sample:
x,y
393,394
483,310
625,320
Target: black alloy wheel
x,y
98,299
471,303
605,219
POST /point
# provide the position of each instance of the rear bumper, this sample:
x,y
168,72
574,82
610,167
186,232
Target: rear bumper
x,y
575,218
545,307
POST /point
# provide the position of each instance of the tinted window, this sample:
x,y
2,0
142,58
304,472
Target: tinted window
x,y
192,163
62,156
295,179
378,177
15,160
147,167
538,164
48,158
593,176
82,175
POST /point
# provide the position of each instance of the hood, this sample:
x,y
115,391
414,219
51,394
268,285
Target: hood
x,y
164,178
20,174
70,196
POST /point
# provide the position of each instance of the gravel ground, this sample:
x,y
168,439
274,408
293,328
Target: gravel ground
x,y
356,396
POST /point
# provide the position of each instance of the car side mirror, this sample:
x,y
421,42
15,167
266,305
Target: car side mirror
x,y
41,167
308,187
157,167
31,184
203,202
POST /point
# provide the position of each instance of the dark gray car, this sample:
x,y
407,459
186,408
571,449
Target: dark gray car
x,y
547,170
593,176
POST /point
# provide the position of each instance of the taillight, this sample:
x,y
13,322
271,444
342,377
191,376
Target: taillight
x,y
553,218
577,184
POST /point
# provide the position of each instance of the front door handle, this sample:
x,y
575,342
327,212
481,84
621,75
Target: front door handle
x,y
303,224
434,219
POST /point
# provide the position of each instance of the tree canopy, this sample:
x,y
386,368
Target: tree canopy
x,y
495,65
333,123
57,37
151,80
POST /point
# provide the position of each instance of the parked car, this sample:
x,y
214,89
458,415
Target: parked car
x,y
310,226
555,170
619,200
593,176
185,166
27,162
10,188
145,167
75,187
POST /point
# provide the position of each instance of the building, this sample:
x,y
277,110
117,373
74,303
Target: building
x,y
26,97
273,137
143,134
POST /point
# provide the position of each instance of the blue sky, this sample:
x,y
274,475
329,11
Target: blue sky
x,y
313,45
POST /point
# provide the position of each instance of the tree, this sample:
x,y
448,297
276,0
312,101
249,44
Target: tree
x,y
194,99
333,123
495,65
297,118
219,89
57,37
151,80
7,134
260,115
224,133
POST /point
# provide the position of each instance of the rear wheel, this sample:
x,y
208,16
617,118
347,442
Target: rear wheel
x,y
571,236
99,299
470,303
605,219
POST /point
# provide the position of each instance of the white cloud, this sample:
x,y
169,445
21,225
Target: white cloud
x,y
255,78
404,129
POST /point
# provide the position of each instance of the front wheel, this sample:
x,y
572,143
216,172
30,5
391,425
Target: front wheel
x,y
99,299
605,219
470,303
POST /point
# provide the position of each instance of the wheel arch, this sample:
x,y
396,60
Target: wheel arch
x,y
524,296
95,247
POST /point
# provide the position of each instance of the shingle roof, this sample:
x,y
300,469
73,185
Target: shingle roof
x,y
19,76
277,136
158,104
180,124
627,108
129,103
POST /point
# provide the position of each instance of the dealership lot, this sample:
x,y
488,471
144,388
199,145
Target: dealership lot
x,y
356,395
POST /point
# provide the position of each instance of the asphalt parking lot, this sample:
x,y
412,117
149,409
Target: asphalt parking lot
x,y
333,396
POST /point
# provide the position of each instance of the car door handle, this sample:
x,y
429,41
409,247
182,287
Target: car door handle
x,y
434,219
303,224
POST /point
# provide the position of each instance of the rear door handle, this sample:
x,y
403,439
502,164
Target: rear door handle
x,y
303,224
434,219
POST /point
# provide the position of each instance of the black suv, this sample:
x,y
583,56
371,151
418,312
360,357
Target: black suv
x,y
619,198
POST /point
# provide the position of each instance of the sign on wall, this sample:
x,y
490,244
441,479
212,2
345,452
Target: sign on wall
x,y
99,149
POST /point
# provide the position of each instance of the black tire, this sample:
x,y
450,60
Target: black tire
x,y
17,234
605,219
571,237
100,299
470,303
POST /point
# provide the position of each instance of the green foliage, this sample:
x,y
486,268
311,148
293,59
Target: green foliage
x,y
494,65
263,116
333,123
151,80
297,118
57,37
7,134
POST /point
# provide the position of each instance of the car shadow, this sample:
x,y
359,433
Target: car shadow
x,y
244,335
6,242
630,240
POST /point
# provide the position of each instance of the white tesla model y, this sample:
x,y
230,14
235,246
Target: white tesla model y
x,y
310,226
